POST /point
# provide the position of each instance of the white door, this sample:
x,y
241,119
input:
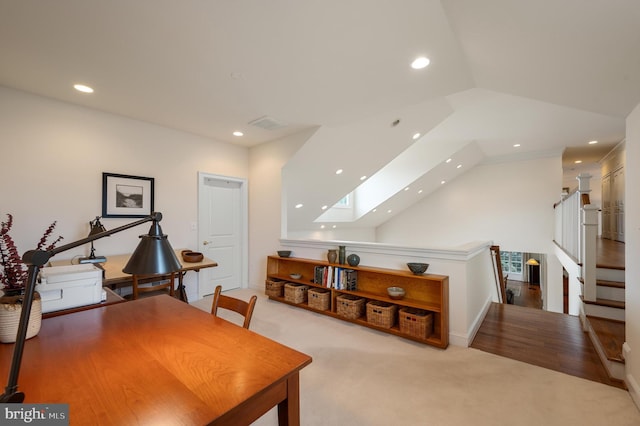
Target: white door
x,y
222,226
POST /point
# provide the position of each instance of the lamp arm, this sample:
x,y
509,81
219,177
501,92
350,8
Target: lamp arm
x,y
11,394
156,216
35,259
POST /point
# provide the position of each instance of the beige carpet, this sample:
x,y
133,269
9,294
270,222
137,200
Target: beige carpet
x,y
363,377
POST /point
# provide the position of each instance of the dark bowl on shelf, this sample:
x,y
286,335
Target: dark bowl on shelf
x,y
417,268
284,253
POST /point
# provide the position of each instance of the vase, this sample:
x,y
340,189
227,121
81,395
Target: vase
x,y
332,255
10,310
353,259
342,252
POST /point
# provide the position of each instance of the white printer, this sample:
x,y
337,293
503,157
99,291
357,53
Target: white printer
x,y
64,287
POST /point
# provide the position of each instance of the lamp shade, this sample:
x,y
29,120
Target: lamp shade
x,y
532,261
154,255
96,226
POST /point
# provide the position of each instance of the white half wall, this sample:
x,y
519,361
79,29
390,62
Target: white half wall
x,y
471,285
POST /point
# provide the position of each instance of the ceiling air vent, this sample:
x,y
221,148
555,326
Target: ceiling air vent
x,y
267,123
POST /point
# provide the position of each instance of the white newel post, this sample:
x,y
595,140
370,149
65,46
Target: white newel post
x,y
589,235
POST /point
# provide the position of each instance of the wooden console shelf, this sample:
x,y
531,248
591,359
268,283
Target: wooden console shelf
x,y
428,293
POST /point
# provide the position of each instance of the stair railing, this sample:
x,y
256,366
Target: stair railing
x,y
567,224
577,232
497,272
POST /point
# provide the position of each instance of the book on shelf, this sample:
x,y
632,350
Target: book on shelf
x,y
336,277
318,275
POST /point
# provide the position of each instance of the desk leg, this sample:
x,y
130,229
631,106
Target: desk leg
x,y
182,293
289,409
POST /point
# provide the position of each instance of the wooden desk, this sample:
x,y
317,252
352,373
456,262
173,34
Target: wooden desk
x,y
112,298
157,361
114,277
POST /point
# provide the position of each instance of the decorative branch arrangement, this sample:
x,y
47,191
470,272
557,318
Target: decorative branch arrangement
x,y
13,273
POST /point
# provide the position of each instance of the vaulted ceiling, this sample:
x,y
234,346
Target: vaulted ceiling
x,y
550,75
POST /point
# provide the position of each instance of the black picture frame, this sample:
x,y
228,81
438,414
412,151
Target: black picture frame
x,y
127,196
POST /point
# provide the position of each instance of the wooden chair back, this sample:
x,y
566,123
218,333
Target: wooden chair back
x,y
167,282
233,304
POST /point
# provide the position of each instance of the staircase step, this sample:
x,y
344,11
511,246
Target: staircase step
x,y
615,284
604,308
610,274
605,302
611,335
607,289
612,290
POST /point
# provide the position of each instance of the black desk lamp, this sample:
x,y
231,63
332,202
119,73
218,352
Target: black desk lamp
x,y
153,255
95,228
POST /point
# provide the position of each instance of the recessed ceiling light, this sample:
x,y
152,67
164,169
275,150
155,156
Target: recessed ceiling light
x,y
407,188
593,142
334,226
458,166
448,160
237,133
516,145
442,182
339,171
420,192
416,136
324,207
82,88
298,206
578,161
374,210
420,63
389,211
363,177
321,226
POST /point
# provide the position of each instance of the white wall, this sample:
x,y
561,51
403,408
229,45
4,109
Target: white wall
x,y
54,154
510,204
266,217
339,233
632,249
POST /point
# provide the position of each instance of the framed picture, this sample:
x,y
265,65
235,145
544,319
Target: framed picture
x,y
126,196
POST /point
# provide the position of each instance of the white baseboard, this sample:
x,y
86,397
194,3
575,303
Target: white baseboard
x,y
630,381
465,340
634,389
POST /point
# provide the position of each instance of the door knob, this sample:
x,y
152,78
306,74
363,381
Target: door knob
x,y
205,243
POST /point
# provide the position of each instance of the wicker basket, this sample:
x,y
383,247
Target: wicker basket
x,y
273,287
295,293
416,322
381,314
350,307
319,298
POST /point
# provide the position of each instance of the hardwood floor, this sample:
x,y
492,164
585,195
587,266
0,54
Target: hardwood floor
x,y
525,332
546,339
528,296
610,254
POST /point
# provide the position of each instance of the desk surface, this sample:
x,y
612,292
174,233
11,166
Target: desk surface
x,y
114,264
157,361
113,267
